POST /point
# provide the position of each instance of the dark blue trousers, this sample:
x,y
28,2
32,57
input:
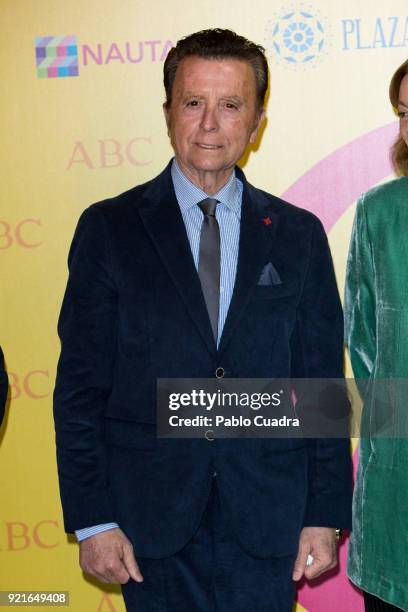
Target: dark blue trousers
x,y
212,574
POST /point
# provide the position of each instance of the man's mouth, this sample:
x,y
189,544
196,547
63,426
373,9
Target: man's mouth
x,y
209,147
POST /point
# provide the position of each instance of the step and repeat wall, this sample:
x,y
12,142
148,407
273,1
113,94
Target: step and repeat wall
x,y
81,98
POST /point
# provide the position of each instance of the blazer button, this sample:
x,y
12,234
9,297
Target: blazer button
x,y
219,373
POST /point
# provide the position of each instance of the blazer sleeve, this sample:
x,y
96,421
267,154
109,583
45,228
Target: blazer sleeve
x,y
87,329
360,318
3,387
318,354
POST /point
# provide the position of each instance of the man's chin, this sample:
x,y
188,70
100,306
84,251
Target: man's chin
x,y
205,165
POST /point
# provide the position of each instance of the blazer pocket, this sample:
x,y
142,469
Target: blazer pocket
x,y
272,292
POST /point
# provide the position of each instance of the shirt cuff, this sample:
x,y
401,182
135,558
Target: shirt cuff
x,y
87,532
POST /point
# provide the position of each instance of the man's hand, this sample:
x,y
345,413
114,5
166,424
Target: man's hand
x,y
320,542
109,557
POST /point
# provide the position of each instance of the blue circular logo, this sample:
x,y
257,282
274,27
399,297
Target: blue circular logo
x,y
296,38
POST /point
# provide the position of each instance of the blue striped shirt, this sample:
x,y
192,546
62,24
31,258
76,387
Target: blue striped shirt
x,y
228,215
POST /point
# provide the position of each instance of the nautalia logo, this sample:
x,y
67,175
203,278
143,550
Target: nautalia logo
x,y
297,38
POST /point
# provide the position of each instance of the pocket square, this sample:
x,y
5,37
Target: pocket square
x,y
269,276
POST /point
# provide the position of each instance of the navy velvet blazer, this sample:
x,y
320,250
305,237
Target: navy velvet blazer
x,y
133,312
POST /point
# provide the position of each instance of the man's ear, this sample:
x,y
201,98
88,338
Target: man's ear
x,y
260,117
166,111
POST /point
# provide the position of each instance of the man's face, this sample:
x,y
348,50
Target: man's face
x,y
212,117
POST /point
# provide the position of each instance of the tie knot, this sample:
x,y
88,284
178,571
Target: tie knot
x,y
208,206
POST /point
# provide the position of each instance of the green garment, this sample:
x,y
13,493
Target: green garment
x,y
377,335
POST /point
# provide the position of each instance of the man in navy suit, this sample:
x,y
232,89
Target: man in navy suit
x,y
195,524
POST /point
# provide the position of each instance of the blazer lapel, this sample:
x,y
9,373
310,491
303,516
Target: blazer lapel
x,y
258,225
162,219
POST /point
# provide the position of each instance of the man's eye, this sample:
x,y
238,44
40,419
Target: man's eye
x,y
403,114
231,105
193,103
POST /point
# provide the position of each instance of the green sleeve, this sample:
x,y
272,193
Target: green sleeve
x,y
360,306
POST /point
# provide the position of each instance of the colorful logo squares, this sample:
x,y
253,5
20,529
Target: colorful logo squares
x,y
56,56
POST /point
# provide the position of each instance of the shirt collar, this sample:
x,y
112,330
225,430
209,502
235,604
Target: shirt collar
x,y
188,194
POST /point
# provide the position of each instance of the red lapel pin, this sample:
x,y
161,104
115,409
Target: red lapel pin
x,y
267,220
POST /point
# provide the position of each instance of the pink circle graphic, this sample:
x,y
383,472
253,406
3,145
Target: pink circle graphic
x,y
334,183
328,189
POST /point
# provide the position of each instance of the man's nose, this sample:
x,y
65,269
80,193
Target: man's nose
x,y
209,121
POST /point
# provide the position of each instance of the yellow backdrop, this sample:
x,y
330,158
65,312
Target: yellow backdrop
x,y
81,96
